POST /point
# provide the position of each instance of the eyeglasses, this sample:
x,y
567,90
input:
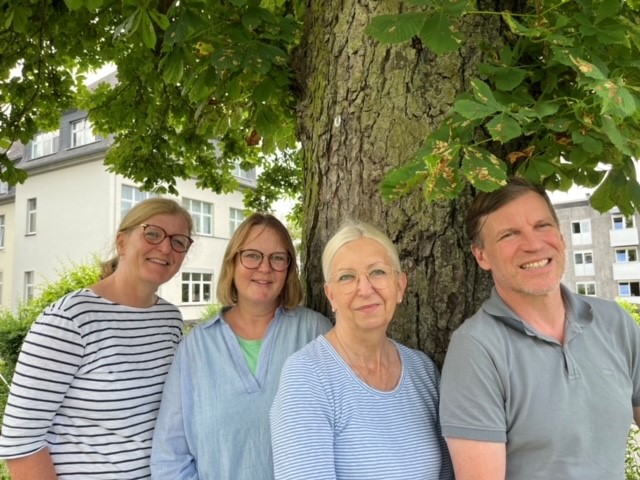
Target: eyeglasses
x,y
252,259
155,236
379,277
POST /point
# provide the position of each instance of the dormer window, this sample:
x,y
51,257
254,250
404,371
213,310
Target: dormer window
x,y
45,144
81,133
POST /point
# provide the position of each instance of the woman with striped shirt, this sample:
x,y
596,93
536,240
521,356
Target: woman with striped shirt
x,y
353,404
87,387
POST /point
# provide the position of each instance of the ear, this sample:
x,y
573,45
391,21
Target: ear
x,y
481,257
121,240
329,293
402,286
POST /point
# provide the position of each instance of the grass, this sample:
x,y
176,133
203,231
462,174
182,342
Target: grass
x,y
4,472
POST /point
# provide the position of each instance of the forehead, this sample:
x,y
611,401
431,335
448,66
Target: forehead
x,y
260,236
528,208
360,254
172,223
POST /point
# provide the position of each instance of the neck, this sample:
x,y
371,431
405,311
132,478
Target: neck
x,y
116,289
546,313
250,322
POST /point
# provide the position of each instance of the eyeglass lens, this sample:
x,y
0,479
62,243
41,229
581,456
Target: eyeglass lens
x,y
252,259
379,278
155,235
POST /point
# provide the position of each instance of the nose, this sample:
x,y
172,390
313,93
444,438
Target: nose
x,y
265,264
531,240
364,284
165,245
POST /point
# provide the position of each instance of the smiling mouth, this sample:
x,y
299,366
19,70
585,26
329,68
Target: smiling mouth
x,y
158,261
536,265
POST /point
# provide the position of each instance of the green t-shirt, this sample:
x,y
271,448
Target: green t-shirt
x,y
251,350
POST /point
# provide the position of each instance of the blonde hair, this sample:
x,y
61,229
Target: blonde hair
x,y
292,293
140,213
350,231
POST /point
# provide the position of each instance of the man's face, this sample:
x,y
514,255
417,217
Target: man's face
x,y
523,248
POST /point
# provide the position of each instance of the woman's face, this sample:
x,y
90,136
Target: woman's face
x,y
262,285
364,288
148,263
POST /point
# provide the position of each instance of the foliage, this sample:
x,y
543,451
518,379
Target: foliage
x,y
560,96
555,101
14,326
188,72
632,456
631,308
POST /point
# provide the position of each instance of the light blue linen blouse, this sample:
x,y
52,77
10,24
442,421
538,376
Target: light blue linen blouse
x,y
214,416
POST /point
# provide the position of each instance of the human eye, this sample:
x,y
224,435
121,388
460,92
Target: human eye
x,y
180,242
346,277
280,257
252,255
154,234
378,272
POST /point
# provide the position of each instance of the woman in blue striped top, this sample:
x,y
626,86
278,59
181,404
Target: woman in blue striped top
x,y
87,387
353,404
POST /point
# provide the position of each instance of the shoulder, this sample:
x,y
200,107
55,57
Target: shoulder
x,y
417,361
306,315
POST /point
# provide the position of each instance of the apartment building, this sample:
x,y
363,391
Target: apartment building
x,y
69,208
602,251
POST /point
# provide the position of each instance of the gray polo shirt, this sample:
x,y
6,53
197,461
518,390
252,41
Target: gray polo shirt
x,y
564,411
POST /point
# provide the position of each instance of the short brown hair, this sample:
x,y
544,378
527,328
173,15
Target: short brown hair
x,y
292,293
487,202
139,214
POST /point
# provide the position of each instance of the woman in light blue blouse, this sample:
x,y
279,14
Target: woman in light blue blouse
x,y
214,415
353,404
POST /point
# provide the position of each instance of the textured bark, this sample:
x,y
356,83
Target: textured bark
x,y
364,109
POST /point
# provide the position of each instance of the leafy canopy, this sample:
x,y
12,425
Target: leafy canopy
x,y
555,102
560,96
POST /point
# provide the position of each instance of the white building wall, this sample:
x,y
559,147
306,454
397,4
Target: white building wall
x,y
6,254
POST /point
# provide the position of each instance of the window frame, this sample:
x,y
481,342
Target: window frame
x,y
234,223
29,285
190,287
200,217
47,142
128,202
625,251
84,134
586,286
32,215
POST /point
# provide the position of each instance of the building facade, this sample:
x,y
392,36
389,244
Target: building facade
x,y
69,208
602,251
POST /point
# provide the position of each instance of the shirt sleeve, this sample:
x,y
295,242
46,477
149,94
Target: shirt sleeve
x,y
50,357
472,395
171,457
302,425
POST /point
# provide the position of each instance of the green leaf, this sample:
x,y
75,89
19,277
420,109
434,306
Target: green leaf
x,y
251,18
472,110
504,128
588,143
395,28
483,94
402,181
617,138
264,90
483,170
266,121
161,20
74,4
544,109
438,34
147,30
616,99
173,66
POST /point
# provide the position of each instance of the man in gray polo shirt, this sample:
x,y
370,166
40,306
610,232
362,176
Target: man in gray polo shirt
x,y
540,383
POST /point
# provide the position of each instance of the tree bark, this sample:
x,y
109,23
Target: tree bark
x,y
364,109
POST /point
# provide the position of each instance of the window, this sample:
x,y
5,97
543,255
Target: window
x,y
4,188
28,286
620,222
31,216
1,287
236,217
202,214
629,289
45,144
244,174
81,132
583,226
583,258
197,287
586,288
131,196
2,230
625,255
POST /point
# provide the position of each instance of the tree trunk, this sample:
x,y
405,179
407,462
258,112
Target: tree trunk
x,y
364,109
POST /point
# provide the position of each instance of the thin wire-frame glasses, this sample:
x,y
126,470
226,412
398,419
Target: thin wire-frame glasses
x,y
155,235
379,277
252,259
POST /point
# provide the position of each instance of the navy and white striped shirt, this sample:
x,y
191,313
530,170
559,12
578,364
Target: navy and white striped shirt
x,y
88,385
327,424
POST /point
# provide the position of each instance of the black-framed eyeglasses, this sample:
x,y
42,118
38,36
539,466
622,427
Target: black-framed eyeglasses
x,y
252,259
154,235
